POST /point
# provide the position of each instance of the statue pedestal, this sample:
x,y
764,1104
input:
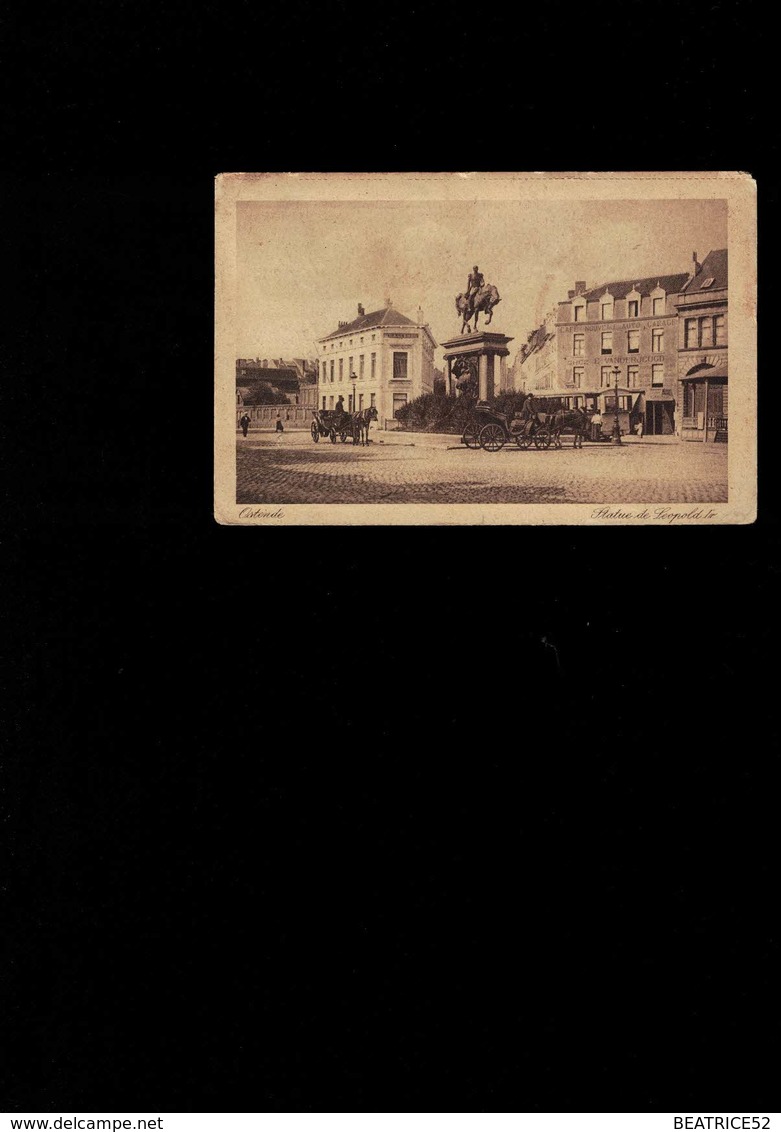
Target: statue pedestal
x,y
477,354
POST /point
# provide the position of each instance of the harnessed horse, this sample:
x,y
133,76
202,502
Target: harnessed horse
x,y
566,420
361,424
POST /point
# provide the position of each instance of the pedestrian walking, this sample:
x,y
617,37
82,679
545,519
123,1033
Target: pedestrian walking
x,y
244,422
596,426
280,427
639,428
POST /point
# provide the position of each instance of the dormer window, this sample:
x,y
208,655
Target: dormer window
x,y
633,303
579,311
658,301
707,283
606,306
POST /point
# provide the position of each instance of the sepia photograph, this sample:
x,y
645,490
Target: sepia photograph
x,y
485,348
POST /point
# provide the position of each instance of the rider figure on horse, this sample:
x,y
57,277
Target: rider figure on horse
x,y
474,283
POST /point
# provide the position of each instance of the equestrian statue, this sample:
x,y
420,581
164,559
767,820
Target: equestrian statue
x,y
479,296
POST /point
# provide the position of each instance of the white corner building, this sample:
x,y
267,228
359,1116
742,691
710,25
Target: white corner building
x,y
382,358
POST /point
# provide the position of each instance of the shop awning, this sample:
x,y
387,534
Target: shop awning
x,y
716,373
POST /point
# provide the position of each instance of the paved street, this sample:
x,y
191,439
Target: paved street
x,y
296,470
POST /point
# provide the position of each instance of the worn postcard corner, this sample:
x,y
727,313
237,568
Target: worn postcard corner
x,y
485,348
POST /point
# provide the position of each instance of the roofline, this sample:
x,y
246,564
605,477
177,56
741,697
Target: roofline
x,y
381,326
603,287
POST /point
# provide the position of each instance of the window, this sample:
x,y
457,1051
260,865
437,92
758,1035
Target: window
x,y
399,401
373,337
350,368
349,402
606,377
361,341
710,331
578,345
323,404
657,341
332,369
580,312
341,369
706,283
607,309
373,399
360,401
607,341
658,306
361,367
633,377
374,365
633,309
578,374
399,367
657,375
633,342
331,400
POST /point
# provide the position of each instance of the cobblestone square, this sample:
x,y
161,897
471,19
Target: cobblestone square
x,y
295,470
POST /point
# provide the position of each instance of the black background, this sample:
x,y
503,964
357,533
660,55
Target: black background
x,y
314,819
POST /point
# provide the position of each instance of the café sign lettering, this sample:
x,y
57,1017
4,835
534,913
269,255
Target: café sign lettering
x,y
610,360
622,324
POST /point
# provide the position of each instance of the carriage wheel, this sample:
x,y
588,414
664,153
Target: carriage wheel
x,y
523,440
315,432
542,438
471,437
344,437
332,434
491,437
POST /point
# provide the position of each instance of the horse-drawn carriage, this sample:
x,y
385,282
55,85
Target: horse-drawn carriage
x,y
333,424
491,430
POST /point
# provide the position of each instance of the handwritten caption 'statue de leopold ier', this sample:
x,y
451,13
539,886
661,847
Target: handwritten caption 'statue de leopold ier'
x,y
655,514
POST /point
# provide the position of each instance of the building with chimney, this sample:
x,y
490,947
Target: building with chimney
x,y
702,350
381,358
623,333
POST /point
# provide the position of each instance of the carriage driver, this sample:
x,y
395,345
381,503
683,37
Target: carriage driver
x,y
340,405
475,282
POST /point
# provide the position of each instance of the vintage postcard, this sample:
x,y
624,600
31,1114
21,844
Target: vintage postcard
x,y
485,348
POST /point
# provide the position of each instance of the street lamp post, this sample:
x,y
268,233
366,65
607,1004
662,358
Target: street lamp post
x,y
353,379
616,425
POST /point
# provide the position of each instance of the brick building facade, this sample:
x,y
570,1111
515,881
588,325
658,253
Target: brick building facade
x,y
656,338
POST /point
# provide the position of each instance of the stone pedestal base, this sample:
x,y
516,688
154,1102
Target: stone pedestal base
x,y
476,355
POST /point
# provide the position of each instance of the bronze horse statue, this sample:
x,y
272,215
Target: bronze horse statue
x,y
469,308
